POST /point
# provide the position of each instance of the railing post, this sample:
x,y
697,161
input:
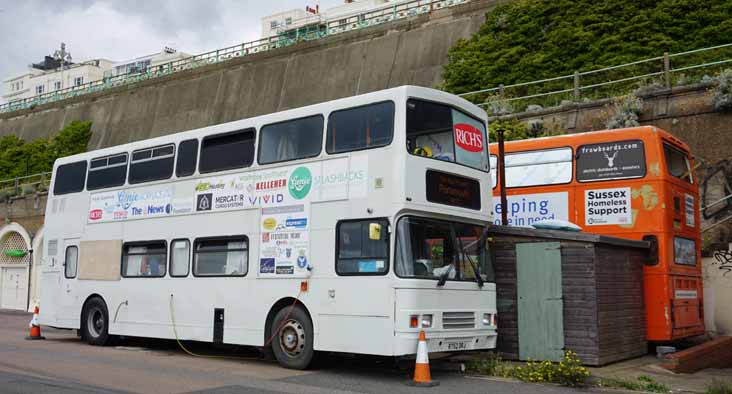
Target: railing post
x,y
576,86
501,92
17,186
667,69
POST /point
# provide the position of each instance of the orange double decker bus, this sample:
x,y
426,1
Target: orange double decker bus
x,y
633,183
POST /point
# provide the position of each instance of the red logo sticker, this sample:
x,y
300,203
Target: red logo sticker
x,y
468,137
95,214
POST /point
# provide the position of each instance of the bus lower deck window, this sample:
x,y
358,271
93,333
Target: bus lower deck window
x,y
226,256
144,259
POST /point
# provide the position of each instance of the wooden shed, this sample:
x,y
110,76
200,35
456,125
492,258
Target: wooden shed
x,y
559,290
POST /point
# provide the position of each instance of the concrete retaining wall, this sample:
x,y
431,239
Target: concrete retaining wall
x,y
411,51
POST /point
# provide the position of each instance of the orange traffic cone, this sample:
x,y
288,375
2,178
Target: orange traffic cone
x,y
422,376
35,329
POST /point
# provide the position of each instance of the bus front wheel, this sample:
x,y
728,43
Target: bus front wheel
x,y
292,343
95,322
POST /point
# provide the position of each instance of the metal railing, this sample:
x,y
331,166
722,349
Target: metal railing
x,y
652,73
397,11
24,185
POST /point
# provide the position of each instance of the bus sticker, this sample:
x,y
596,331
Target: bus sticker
x,y
608,206
689,208
134,203
286,247
611,160
527,209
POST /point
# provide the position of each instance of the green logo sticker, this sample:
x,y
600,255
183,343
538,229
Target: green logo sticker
x,y
300,183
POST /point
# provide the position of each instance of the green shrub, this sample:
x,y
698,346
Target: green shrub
x,y
568,372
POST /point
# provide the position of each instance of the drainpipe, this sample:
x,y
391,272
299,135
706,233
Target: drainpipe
x,y
30,275
502,178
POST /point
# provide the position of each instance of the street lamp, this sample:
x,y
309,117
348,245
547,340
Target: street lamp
x,y
63,57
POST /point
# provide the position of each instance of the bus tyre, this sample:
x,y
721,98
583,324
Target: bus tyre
x,y
293,344
95,323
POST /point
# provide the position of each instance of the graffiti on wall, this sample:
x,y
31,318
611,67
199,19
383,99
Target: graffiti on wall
x,y
723,260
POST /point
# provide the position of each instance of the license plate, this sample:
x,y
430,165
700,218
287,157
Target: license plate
x,y
460,345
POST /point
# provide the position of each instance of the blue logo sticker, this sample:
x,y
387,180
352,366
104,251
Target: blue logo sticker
x,y
302,261
267,266
296,223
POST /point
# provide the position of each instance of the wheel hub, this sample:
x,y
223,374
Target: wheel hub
x,y
292,338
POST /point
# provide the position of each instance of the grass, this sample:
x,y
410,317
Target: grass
x,y
642,383
719,386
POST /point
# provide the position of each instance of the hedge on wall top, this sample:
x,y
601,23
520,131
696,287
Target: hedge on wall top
x,y
527,40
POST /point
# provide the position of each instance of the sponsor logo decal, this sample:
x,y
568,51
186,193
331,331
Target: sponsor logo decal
x,y
95,214
285,270
468,137
272,184
203,202
296,223
266,266
299,183
269,224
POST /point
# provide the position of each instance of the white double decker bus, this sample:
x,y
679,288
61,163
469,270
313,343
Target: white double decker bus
x,y
346,226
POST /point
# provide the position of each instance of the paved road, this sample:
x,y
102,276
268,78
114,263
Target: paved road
x,y
63,364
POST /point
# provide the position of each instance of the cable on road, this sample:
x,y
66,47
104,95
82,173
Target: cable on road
x,y
274,332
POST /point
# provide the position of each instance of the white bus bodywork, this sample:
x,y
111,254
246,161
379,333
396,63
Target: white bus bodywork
x,y
357,314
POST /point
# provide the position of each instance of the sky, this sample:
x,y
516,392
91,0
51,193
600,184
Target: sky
x,y
121,30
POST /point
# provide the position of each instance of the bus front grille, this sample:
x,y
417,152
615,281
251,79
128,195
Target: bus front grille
x,y
451,320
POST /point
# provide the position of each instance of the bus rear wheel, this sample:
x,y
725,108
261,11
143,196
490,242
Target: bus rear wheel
x,y
95,322
292,344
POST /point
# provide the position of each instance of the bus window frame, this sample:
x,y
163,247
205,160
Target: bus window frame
x,y
388,247
170,257
221,238
258,138
197,149
393,128
685,154
571,161
645,162
126,164
462,111
244,130
66,165
151,158
142,243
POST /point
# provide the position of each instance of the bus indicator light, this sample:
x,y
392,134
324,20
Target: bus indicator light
x,y
414,321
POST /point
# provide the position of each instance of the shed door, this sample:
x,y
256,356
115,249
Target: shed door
x,y
540,307
14,288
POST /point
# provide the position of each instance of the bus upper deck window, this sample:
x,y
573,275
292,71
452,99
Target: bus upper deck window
x,y
291,140
677,163
364,127
441,132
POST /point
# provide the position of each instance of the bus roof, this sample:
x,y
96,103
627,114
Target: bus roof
x,y
396,94
592,137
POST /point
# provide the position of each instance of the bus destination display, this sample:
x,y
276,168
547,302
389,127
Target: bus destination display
x,y
449,189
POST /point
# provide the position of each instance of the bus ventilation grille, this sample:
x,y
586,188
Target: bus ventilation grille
x,y
451,320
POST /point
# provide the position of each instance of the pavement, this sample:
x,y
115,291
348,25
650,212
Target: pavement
x,y
64,364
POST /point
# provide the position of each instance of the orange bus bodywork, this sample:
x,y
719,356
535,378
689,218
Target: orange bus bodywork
x,y
661,205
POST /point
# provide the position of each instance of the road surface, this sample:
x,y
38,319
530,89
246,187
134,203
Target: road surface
x,y
64,364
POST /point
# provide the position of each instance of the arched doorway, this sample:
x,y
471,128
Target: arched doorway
x,y
14,264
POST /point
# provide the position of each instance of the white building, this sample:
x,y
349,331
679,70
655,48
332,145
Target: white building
x,y
48,76
275,24
145,63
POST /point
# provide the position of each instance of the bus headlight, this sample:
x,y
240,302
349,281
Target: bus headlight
x,y
487,319
426,321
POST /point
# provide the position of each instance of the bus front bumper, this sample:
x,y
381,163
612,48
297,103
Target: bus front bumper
x,y
446,341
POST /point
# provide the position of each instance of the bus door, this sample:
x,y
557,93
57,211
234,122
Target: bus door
x,y
66,298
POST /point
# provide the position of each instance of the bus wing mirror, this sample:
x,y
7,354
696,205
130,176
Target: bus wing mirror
x,y
374,231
